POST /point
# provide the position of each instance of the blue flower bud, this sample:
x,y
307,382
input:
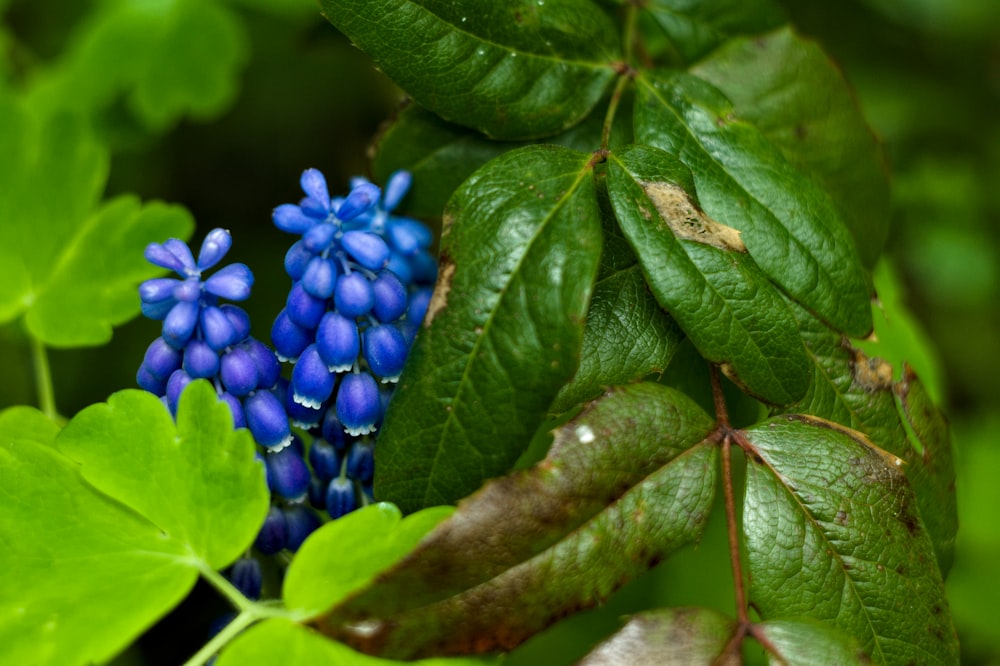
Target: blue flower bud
x,y
158,290
390,297
267,420
291,218
214,248
338,342
238,372
268,368
318,239
216,328
296,259
358,406
397,187
340,499
319,278
147,381
366,248
288,338
332,430
188,290
200,360
161,359
424,267
175,386
304,309
408,236
273,533
313,183
361,462
385,350
300,415
324,459
317,493
361,199
158,311
409,331
419,300
287,473
312,382
233,282
239,419
179,325
353,295
245,575
240,320
158,255
179,249
301,522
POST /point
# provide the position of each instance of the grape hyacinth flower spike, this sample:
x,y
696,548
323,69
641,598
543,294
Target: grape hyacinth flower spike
x,y
202,338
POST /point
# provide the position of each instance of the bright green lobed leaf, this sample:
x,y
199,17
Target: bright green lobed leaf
x,y
344,555
789,224
71,269
833,533
280,642
805,643
82,576
702,275
519,253
791,90
693,29
625,483
197,481
667,637
27,423
513,70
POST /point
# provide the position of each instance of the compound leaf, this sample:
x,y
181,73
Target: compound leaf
x,y
625,483
197,481
519,253
833,533
668,637
789,224
702,275
791,90
513,70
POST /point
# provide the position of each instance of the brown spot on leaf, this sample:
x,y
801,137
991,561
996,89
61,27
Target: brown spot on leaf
x,y
687,221
439,299
841,518
871,373
800,131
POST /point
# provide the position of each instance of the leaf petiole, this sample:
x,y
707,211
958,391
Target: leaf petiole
x,y
43,380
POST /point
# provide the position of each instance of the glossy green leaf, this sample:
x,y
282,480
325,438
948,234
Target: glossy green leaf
x,y
667,637
804,643
693,29
345,555
197,481
71,266
513,70
27,423
789,224
63,544
628,336
519,253
703,276
624,484
791,90
275,642
833,533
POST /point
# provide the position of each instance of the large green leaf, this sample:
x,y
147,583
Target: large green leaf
x,y
789,224
625,483
701,273
197,481
804,643
158,504
833,533
791,90
70,266
519,253
513,70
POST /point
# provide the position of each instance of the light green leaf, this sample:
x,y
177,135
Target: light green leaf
x,y
791,90
27,423
702,275
804,643
789,224
833,533
503,331
513,70
197,481
71,269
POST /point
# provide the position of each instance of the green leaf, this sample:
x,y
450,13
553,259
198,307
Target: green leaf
x,y
345,555
627,336
519,253
693,29
702,275
64,545
279,641
72,270
667,637
513,70
833,533
789,224
930,465
197,481
625,483
804,643
27,423
791,90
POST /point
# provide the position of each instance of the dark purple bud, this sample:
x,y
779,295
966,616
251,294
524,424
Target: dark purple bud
x,y
161,359
319,278
312,382
246,577
179,324
273,534
287,473
319,238
419,300
300,415
361,199
314,185
233,282
214,248
317,493
366,248
303,308
301,522
353,295
333,430
158,311
340,499
147,381
324,459
424,267
361,462
267,420
200,360
288,338
291,218
338,342
358,406
385,351
239,419
396,189
268,368
296,259
238,372
390,297
175,386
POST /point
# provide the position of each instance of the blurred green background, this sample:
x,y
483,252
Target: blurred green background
x,y
220,104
